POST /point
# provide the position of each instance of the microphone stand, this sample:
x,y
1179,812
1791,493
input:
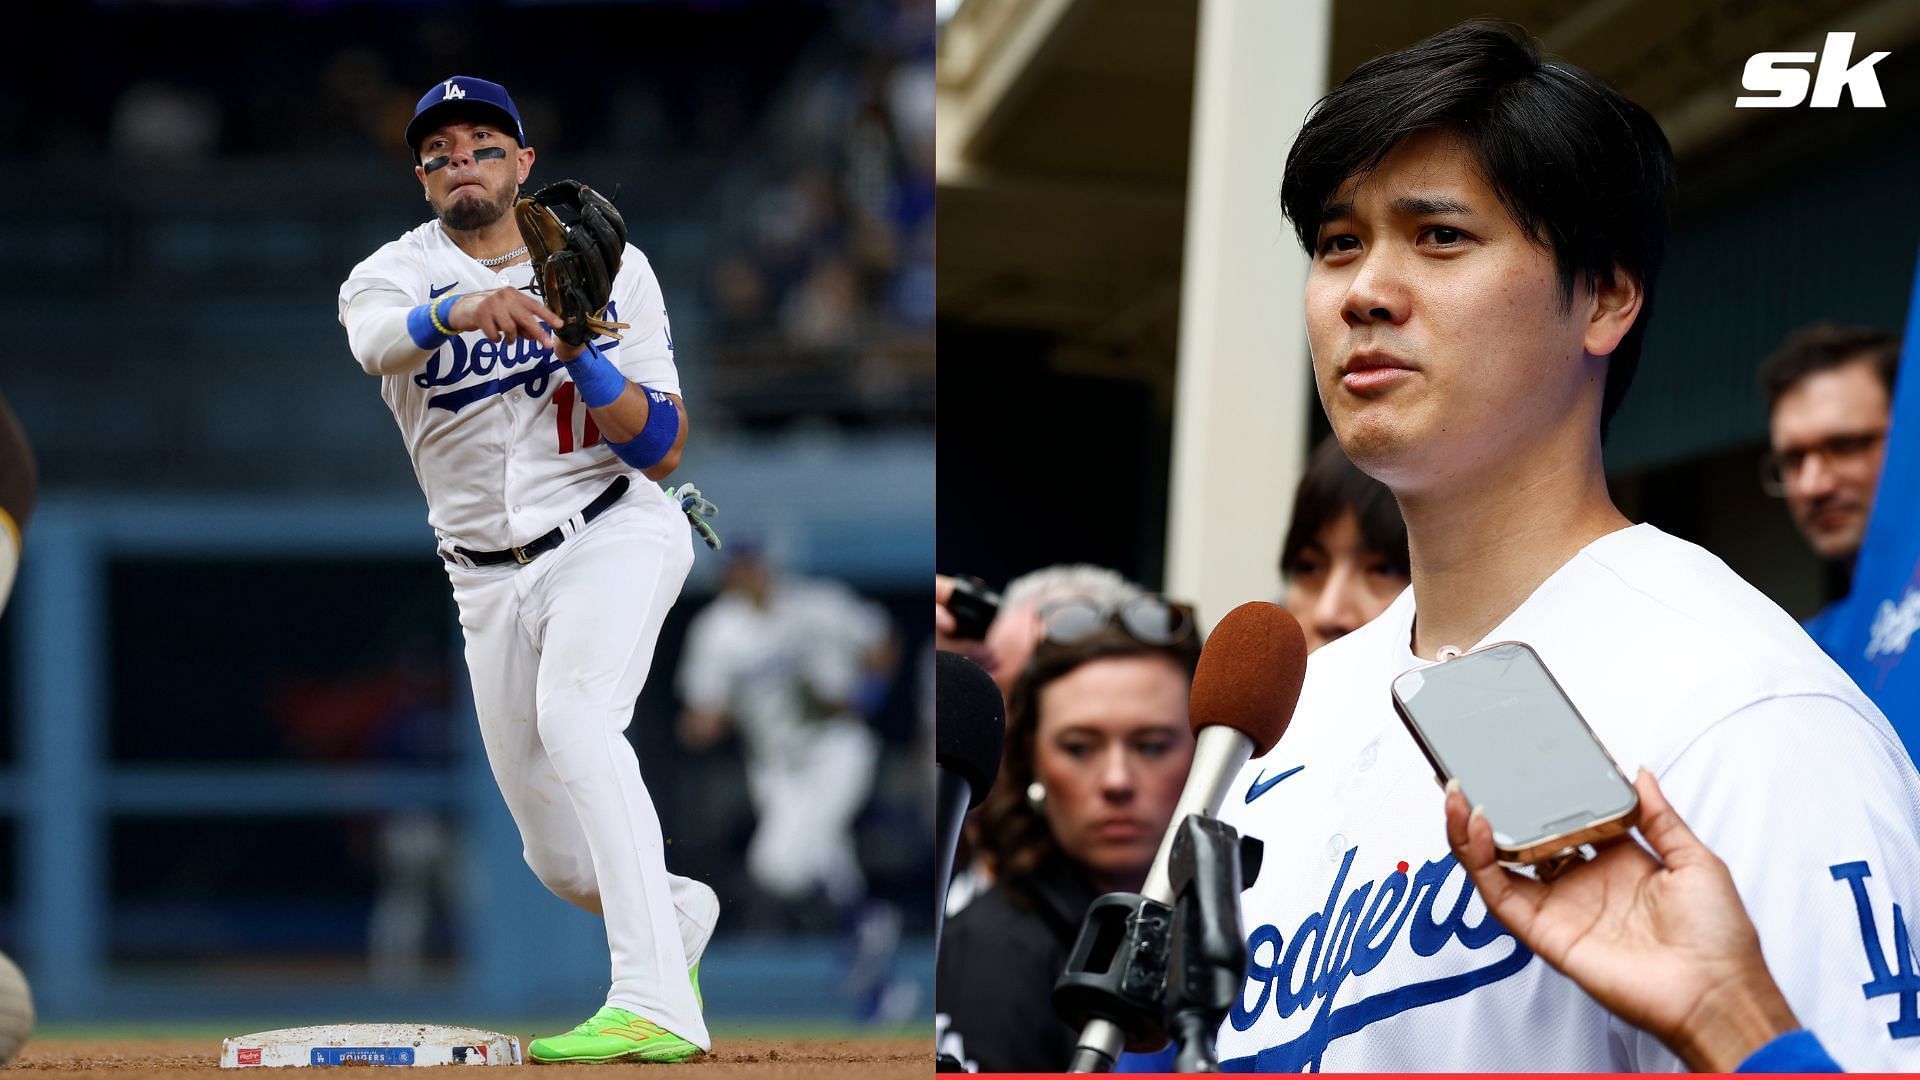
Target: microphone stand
x,y
1114,987
1115,983
1209,950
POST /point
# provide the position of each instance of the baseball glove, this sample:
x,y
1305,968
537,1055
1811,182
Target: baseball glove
x,y
575,238
698,509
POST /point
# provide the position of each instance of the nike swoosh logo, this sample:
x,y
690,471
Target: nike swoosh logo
x,y
1261,787
433,292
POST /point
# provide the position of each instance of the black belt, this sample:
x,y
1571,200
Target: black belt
x,y
532,550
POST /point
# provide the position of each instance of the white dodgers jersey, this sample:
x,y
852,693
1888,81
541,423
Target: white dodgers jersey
x,y
1370,951
503,449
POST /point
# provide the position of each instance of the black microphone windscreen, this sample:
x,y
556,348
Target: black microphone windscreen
x,y
970,722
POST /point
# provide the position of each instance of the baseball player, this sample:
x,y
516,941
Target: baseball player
x,y
797,667
1484,232
536,458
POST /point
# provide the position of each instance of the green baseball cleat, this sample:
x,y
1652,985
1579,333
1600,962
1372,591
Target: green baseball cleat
x,y
613,1035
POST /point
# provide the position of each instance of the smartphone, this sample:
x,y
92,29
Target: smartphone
x,y
1496,720
974,607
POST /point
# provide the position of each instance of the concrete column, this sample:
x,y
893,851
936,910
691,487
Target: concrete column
x,y
1244,386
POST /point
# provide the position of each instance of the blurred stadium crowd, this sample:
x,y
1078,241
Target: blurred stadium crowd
x,y
780,157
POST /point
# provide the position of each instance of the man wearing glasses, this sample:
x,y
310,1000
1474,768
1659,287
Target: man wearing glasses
x,y
1829,397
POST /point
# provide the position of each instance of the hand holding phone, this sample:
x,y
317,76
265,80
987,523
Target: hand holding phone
x,y
1662,939
1497,721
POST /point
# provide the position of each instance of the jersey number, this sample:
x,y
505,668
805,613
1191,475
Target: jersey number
x,y
572,422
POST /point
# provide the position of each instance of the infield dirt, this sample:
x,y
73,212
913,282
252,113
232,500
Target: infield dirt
x,y
863,1059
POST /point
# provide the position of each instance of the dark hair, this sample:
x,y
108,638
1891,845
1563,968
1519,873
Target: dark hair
x,y
1826,345
1333,485
1008,830
1584,172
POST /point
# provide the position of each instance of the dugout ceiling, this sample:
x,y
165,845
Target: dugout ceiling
x,y
1063,130
1062,158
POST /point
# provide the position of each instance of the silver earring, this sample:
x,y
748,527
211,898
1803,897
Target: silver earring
x,y
1037,795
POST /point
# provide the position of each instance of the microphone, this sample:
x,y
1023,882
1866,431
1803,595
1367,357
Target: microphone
x,y
1244,692
969,726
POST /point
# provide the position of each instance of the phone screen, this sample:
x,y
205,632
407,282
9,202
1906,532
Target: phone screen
x,y
1496,720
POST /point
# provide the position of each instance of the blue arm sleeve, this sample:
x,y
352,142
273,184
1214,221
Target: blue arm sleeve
x,y
645,450
1794,1052
597,380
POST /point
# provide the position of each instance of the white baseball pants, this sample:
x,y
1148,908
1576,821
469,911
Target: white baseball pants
x,y
558,650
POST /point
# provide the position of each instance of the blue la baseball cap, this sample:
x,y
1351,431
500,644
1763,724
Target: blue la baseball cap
x,y
462,92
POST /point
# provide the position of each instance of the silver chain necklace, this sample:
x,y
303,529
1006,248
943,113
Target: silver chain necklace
x,y
507,258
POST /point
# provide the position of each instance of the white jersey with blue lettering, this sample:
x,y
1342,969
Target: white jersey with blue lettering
x,y
503,449
557,646
1369,950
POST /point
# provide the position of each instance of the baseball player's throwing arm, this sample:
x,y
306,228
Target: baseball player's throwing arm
x,y
383,343
378,333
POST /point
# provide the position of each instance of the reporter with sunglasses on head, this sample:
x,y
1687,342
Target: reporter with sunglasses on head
x,y
1005,642
1098,748
999,632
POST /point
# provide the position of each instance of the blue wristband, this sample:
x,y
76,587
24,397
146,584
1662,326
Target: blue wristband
x,y
598,381
420,322
655,440
1795,1052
